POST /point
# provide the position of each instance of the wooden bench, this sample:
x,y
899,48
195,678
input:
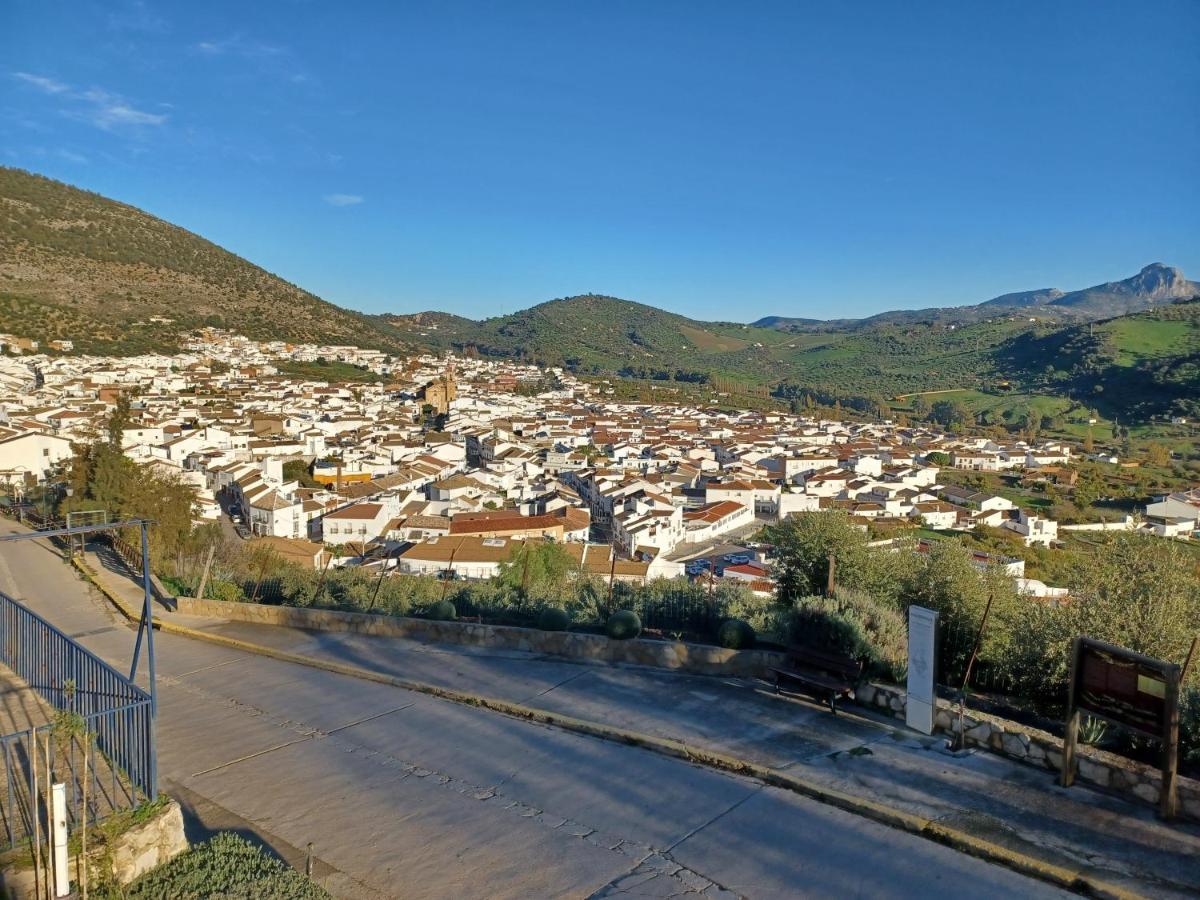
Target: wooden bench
x,y
820,674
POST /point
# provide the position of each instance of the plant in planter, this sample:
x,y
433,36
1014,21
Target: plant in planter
x,y
735,634
443,611
553,618
623,625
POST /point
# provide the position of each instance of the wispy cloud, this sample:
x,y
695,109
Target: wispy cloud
x,y
104,109
72,156
109,111
42,83
343,199
136,16
274,60
240,45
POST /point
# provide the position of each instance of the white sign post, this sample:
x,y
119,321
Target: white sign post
x,y
922,666
58,831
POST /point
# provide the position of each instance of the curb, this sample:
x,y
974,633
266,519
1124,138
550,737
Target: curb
x,y
1067,878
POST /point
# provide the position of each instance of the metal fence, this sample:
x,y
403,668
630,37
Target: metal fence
x,y
112,714
682,612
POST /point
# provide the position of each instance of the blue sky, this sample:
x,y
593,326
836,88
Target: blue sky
x,y
724,160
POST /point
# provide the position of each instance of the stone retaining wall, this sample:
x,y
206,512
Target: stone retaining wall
x,y
133,853
1130,779
702,659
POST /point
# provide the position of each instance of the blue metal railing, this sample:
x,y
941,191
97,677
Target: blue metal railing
x,y
115,713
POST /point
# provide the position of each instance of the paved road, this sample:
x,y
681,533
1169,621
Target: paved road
x,y
405,795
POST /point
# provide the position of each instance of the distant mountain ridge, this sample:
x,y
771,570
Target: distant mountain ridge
x,y
1154,285
117,280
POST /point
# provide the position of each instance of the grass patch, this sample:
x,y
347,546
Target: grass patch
x,y
1135,339
707,342
325,370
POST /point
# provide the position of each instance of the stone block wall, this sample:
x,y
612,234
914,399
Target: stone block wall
x,y
703,659
148,845
132,854
1129,778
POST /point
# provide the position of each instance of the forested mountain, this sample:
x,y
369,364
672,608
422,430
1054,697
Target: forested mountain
x,y
590,332
77,265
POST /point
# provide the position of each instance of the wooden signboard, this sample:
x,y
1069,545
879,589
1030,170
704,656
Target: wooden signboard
x,y
1127,689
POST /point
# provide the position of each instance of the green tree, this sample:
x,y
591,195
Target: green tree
x,y
948,580
118,420
1137,591
1089,487
952,414
1158,455
298,470
804,545
102,477
538,570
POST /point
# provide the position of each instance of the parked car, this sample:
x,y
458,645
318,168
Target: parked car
x,y
737,559
242,531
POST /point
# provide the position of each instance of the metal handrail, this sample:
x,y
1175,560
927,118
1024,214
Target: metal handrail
x,y
115,712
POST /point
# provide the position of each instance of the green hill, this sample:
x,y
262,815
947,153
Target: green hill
x,y
1135,367
598,334
77,265
594,334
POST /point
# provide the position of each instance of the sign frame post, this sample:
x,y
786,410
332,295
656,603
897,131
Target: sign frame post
x,y
921,702
1131,690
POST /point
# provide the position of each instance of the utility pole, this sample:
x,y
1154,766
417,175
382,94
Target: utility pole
x,y
1187,663
379,581
960,738
525,571
449,573
262,573
204,574
612,572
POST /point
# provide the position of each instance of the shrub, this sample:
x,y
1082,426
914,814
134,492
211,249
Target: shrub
x,y
1189,726
224,590
553,618
736,635
854,624
225,866
623,625
444,611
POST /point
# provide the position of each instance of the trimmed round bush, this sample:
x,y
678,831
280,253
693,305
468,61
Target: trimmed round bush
x,y
735,634
623,625
553,618
444,611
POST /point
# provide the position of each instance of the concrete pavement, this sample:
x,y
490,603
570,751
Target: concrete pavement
x,y
408,795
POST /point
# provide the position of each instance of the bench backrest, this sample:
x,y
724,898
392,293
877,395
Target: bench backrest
x,y
825,661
